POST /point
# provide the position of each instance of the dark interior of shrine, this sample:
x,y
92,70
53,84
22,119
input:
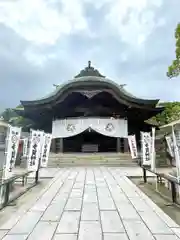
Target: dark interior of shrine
x,y
90,141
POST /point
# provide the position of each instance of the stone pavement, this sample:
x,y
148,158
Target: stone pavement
x,y
91,203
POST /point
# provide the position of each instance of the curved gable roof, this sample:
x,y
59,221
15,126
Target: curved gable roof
x,y
90,81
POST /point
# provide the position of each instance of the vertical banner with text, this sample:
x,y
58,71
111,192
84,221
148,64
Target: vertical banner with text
x,y
133,146
176,143
12,144
46,149
25,147
153,152
170,147
146,148
34,150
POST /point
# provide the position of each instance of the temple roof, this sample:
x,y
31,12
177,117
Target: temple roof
x,y
87,78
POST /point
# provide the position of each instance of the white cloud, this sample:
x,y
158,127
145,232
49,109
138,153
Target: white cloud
x,y
44,21
37,21
134,20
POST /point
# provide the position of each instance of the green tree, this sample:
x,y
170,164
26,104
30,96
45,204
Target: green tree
x,y
171,113
11,117
8,114
174,69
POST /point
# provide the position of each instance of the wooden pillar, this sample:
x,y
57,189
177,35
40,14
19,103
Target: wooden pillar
x,y
61,145
118,146
126,145
53,145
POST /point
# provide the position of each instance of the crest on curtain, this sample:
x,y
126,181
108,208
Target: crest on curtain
x,y
70,128
109,127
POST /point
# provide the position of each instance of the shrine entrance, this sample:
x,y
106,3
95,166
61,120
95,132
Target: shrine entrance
x,y
90,141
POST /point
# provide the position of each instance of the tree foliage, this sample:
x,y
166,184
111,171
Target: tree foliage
x,y
11,117
174,69
171,113
8,114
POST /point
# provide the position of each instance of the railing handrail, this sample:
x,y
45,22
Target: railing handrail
x,y
168,177
172,179
11,179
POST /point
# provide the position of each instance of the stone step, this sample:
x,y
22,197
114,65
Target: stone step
x,y
69,164
89,154
88,159
84,159
91,157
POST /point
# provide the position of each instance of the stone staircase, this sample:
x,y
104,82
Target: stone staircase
x,y
91,159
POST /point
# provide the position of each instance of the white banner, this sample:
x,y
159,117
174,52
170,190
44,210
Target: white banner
x,y
146,148
42,144
176,151
169,142
12,141
46,150
25,147
153,153
34,150
133,146
105,126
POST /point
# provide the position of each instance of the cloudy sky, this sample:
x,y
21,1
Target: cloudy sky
x,y
48,41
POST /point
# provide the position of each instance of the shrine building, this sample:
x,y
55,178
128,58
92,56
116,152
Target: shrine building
x,y
90,113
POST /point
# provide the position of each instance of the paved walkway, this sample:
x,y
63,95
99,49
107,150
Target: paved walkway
x,y
91,203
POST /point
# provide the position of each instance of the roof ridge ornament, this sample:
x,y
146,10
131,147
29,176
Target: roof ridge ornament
x,y
89,71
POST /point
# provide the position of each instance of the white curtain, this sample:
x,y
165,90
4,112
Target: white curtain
x,y
71,127
68,128
110,127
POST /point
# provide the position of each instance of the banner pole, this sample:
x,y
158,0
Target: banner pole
x,y
37,172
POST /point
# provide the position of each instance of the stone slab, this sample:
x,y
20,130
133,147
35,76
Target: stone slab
x,y
90,197
115,236
73,204
176,231
43,231
90,230
2,233
137,230
166,237
69,222
127,211
65,236
139,204
106,203
15,237
111,222
90,212
27,223
155,223
77,192
54,212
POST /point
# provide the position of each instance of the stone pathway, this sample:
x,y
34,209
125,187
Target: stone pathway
x,y
91,203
